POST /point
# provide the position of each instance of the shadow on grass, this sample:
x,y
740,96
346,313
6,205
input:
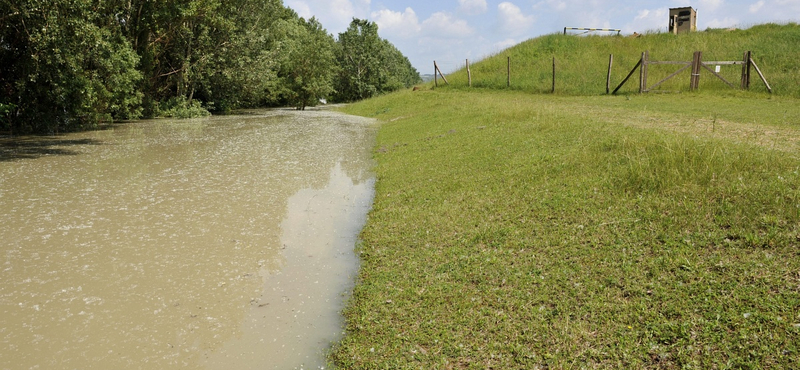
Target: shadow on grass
x,y
33,147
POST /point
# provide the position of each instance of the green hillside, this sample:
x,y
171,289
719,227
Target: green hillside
x,y
518,230
582,62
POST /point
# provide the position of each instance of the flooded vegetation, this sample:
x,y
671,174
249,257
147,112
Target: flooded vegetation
x,y
224,242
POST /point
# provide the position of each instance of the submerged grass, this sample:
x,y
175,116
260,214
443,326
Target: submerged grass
x,y
512,230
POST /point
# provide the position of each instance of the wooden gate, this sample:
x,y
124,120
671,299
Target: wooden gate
x,y
695,64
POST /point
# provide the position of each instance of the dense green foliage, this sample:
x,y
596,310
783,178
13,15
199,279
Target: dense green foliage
x,y
369,64
69,64
64,64
308,62
582,62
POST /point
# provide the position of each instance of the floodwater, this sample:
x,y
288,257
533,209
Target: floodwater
x,y
218,243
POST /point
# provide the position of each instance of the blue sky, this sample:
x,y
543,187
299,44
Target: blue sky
x,y
450,31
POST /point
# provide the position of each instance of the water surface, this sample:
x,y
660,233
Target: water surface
x,y
224,242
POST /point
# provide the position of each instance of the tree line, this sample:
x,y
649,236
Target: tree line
x,y
70,64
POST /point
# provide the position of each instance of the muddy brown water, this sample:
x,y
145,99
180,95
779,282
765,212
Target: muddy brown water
x,y
218,243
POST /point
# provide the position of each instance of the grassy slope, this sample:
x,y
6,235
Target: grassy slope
x,y
513,230
582,62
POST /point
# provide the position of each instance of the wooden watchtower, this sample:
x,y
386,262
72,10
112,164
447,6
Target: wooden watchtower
x,y
682,20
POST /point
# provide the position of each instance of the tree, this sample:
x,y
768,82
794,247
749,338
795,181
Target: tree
x,y
359,59
308,62
176,41
245,67
69,64
64,66
370,65
398,68
220,52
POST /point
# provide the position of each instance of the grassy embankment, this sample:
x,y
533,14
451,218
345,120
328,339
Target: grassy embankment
x,y
518,230
582,62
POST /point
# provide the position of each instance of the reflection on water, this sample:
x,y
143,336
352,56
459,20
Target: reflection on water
x,y
183,244
297,314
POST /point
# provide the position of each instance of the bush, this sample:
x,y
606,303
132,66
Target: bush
x,y
180,107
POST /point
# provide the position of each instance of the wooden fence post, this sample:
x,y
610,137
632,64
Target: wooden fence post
x,y
435,76
746,71
764,79
439,71
553,89
697,60
508,80
646,67
469,74
643,72
608,77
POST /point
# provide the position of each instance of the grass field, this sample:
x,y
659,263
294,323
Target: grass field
x,y
582,62
518,230
513,230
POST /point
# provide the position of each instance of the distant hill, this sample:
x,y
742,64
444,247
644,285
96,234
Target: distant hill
x,y
582,62
427,77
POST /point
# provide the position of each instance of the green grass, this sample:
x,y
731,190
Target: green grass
x,y
514,230
576,230
582,62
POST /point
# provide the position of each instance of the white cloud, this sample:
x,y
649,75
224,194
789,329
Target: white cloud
x,y
443,25
405,24
505,44
722,23
472,7
756,6
342,9
557,5
335,15
648,20
776,11
301,8
553,15
512,19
